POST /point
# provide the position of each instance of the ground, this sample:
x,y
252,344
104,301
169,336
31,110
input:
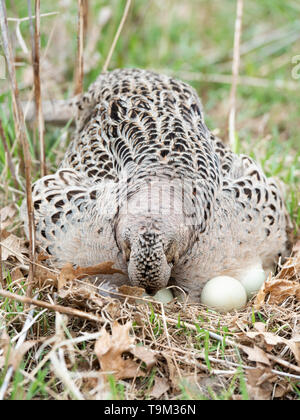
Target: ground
x,y
176,351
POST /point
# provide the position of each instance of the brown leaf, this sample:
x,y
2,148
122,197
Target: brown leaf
x,y
268,339
81,295
13,246
161,385
68,273
279,290
259,383
173,375
102,268
109,349
260,326
6,215
294,345
145,355
44,276
16,274
256,354
131,291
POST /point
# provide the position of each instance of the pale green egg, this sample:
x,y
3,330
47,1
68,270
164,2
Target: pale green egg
x,y
224,294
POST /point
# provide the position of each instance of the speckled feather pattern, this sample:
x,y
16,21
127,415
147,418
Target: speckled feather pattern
x,y
135,128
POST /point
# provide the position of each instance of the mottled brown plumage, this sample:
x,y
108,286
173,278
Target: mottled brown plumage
x,y
145,184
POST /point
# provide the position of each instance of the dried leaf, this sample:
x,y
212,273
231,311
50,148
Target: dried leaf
x,y
145,355
173,375
294,345
256,354
161,385
109,349
81,295
102,268
16,274
6,215
45,276
260,326
259,383
131,291
279,290
268,339
68,273
13,246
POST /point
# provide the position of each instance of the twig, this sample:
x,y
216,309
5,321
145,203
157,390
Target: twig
x,y
168,338
235,73
79,59
24,19
52,307
60,369
20,131
37,84
113,45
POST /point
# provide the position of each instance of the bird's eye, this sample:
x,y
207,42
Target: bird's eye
x,y
126,251
171,253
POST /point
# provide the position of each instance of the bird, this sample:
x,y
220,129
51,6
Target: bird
x,y
145,184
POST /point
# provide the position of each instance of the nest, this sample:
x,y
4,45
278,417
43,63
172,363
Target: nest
x,y
91,344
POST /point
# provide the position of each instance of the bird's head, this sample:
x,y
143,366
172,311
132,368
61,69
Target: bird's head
x,y
151,248
152,234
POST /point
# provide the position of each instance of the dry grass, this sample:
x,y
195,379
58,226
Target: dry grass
x,y
48,340
198,353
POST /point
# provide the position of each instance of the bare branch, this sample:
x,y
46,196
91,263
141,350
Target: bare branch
x,y
20,129
235,73
37,84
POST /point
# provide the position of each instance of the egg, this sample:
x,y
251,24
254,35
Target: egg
x,y
224,294
163,296
252,279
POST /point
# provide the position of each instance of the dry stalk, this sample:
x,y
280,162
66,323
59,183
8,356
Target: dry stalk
x,y
119,30
52,307
37,85
20,132
168,339
235,73
80,40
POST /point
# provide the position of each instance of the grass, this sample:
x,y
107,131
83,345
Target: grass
x,y
189,40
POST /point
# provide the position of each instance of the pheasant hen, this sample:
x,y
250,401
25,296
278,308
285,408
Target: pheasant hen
x,y
145,184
